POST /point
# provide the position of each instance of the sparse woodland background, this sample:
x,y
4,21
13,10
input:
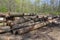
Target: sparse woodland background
x,y
30,6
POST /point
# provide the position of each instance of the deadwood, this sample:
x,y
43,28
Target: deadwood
x,y
31,28
26,28
23,23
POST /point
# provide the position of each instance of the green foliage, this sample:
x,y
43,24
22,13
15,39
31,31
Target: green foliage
x,y
3,9
27,6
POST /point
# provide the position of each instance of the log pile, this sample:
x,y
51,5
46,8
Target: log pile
x,y
22,23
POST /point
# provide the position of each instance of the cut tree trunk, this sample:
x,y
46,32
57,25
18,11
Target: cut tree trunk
x,y
31,28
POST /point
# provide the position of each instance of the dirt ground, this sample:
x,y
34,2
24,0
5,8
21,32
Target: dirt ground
x,y
45,33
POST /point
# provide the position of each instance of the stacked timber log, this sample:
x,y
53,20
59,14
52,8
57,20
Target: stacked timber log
x,y
23,23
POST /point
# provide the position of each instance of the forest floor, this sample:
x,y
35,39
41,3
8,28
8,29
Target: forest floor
x,y
45,33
